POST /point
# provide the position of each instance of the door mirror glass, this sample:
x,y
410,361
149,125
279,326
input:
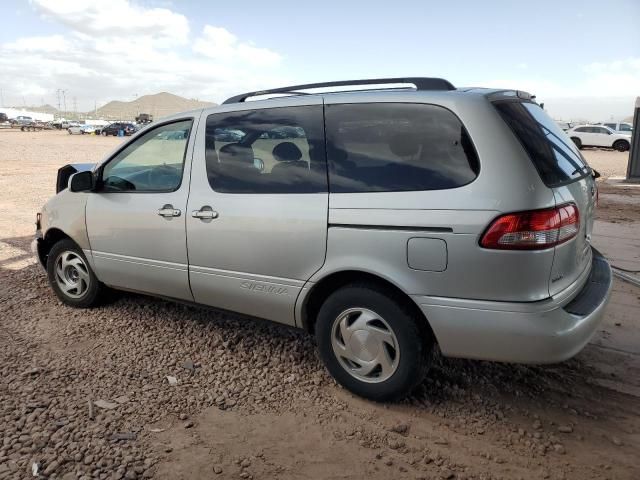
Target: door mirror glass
x,y
258,163
81,182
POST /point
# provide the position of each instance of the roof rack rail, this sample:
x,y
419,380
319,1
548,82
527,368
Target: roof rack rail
x,y
421,83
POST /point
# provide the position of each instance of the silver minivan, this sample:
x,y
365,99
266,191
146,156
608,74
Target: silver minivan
x,y
387,221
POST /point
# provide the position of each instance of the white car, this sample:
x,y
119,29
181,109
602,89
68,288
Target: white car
x,y
599,136
81,129
619,127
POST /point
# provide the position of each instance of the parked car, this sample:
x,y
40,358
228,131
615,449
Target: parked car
x,y
619,127
23,120
599,136
400,221
81,129
564,125
114,128
4,121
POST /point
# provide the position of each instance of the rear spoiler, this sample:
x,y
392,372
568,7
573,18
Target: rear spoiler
x,y
65,173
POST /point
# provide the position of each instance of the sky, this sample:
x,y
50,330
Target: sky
x,y
580,57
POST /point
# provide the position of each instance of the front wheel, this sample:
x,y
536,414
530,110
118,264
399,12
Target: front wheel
x,y
372,342
621,145
71,277
577,141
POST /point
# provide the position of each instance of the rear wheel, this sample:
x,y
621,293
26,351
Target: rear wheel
x,y
577,141
621,145
71,277
372,343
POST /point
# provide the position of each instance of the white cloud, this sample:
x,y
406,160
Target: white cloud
x,y
51,43
116,50
114,18
615,78
219,43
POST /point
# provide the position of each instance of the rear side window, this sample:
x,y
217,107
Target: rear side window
x,y
554,155
276,150
387,147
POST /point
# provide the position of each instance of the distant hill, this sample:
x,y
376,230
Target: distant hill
x,y
628,119
158,105
41,109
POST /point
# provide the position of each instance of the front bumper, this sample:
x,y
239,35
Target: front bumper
x,y
36,248
548,331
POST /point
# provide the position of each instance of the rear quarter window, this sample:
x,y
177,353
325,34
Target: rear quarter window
x,y
552,152
386,147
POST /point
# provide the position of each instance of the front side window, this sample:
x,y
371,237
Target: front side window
x,y
152,163
276,150
602,131
625,127
612,126
386,147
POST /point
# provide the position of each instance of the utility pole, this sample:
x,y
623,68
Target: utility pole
x,y
64,101
1,99
75,105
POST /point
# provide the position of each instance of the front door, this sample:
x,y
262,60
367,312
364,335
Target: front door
x,y
257,221
136,219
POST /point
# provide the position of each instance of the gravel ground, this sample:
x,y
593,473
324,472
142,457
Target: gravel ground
x,y
86,394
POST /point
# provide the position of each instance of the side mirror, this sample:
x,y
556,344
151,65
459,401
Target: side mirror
x,y
258,163
81,182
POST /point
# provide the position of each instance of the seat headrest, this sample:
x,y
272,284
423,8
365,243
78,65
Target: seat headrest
x,y
287,152
404,144
236,153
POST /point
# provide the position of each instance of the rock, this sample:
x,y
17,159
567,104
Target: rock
x,y
105,405
189,365
245,463
441,441
388,462
616,441
559,448
130,475
537,425
189,424
401,428
92,410
183,416
565,429
217,469
172,380
52,467
123,436
121,399
447,474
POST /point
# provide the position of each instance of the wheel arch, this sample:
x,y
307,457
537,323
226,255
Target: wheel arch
x,y
312,301
49,239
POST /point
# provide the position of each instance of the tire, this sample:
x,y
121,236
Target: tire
x,y
621,145
87,291
374,314
578,142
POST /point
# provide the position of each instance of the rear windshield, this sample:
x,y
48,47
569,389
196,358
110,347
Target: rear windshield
x,y
552,152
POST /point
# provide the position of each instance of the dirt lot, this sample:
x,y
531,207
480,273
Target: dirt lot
x,y
252,398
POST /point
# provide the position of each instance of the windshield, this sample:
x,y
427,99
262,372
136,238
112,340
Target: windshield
x,y
552,152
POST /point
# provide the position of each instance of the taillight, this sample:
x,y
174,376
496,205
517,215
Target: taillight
x,y
533,230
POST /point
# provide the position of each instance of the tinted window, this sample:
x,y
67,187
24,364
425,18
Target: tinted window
x,y
601,130
610,125
397,147
554,155
582,129
625,127
152,163
277,150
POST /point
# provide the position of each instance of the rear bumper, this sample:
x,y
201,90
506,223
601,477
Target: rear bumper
x,y
548,331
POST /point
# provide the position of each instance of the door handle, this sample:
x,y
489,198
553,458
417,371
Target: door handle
x,y
205,213
168,211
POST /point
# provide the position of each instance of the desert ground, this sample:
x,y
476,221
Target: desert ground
x,y
84,393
